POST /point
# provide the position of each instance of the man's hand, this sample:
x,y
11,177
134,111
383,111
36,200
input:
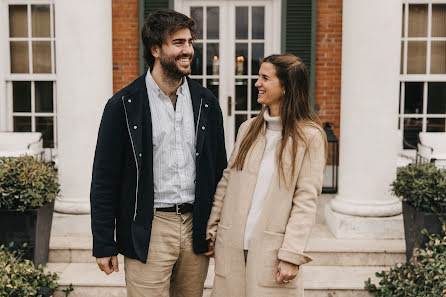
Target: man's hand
x,y
108,264
286,272
211,246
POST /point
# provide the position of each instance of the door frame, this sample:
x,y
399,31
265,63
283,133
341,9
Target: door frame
x,y
273,45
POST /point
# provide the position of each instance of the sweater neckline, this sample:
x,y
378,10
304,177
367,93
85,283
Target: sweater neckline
x,y
272,123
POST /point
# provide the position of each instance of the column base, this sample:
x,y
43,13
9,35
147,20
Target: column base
x,y
387,208
72,206
357,227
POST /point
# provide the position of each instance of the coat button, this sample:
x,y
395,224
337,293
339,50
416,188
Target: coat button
x,y
130,100
203,127
197,154
140,154
134,127
206,105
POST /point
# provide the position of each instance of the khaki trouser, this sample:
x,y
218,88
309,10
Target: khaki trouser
x,y
172,267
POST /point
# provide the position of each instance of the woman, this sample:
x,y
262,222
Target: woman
x,y
265,203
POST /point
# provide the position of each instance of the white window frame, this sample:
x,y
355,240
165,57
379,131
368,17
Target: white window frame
x,y
422,78
8,125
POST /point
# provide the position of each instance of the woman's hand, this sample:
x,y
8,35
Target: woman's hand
x,y
211,246
286,272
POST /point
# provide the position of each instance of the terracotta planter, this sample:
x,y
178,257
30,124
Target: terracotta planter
x,y
33,226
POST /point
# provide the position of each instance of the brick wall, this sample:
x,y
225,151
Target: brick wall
x,y
328,61
125,42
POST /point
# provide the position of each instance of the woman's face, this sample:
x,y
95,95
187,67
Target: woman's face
x,y
268,84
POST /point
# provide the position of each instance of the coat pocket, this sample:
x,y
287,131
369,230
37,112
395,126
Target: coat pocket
x,y
266,276
220,254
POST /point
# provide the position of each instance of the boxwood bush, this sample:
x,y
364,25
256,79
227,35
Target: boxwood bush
x,y
26,183
19,277
422,186
424,275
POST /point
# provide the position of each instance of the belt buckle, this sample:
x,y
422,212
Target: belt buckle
x,y
177,209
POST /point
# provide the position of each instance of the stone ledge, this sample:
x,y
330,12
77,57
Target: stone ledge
x,y
315,277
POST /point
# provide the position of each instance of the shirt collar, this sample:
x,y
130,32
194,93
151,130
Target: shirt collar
x,y
154,87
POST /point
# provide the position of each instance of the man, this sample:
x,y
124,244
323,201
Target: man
x,y
159,156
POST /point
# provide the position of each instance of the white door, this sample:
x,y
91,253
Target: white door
x,y
233,36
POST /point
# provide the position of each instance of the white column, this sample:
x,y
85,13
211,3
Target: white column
x,y
84,83
371,38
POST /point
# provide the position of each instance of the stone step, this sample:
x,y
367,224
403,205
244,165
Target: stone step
x,y
323,247
339,281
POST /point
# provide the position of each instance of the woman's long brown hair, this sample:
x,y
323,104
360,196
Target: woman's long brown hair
x,y
295,111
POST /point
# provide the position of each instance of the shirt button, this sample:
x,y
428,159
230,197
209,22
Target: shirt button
x,y
197,154
202,127
134,127
140,154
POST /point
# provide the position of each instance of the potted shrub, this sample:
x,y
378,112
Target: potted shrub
x,y
422,187
422,276
28,189
19,277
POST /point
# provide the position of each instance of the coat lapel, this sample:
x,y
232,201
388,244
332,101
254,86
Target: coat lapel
x,y
200,106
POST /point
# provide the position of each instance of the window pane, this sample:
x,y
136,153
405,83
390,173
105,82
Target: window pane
x,y
258,22
438,57
411,129
22,124
241,58
213,22
254,95
45,125
212,85
239,119
436,98
416,57
438,20
402,58
19,57
41,57
404,19
418,20
44,96
21,96
435,125
196,13
257,56
413,101
212,54
18,21
241,94
241,22
197,61
40,20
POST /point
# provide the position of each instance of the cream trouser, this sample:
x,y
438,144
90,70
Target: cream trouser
x,y
172,268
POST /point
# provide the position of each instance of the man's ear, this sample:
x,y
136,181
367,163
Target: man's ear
x,y
155,50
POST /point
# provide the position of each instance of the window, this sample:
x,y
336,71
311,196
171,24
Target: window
x,y
423,69
32,71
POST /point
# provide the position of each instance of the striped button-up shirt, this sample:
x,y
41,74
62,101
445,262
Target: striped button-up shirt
x,y
173,145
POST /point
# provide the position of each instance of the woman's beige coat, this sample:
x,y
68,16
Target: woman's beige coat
x,y
282,230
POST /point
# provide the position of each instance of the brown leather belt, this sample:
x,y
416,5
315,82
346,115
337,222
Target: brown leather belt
x,y
178,208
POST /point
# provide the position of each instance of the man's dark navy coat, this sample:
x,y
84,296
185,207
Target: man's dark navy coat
x,y
122,183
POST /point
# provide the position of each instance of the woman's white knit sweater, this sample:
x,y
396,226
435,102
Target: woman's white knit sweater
x,y
267,171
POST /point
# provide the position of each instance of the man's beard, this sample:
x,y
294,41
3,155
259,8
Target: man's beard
x,y
170,68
